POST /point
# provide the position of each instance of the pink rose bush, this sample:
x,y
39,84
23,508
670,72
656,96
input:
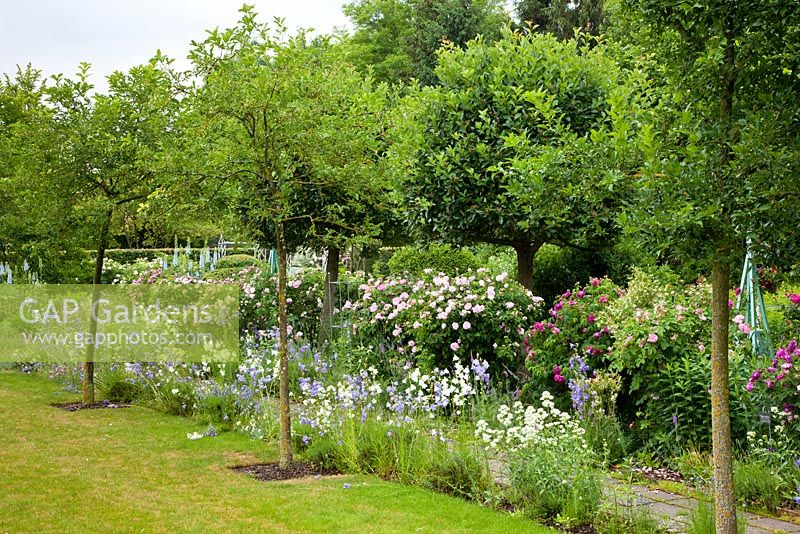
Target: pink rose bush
x,y
432,319
571,327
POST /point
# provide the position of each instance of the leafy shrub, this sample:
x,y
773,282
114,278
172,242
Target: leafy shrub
x,y
557,269
496,259
238,261
571,329
414,260
658,320
436,317
259,301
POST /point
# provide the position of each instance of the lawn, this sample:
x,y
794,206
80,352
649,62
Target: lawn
x,y
134,470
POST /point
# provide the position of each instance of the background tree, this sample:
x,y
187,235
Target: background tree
x,y
399,38
721,157
503,151
93,155
291,127
561,18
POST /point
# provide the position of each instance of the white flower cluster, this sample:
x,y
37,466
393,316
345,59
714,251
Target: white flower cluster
x,y
522,426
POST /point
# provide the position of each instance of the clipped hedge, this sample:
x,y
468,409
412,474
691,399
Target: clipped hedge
x,y
437,257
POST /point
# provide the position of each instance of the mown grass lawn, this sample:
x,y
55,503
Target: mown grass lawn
x,y
133,470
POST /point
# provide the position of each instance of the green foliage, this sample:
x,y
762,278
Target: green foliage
x,y
259,302
561,18
434,257
114,384
496,259
571,328
626,520
461,472
398,39
557,269
658,320
297,126
432,319
703,521
517,145
605,438
239,261
719,148
555,482
758,484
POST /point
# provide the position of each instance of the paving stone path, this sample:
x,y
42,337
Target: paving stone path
x,y
674,510
670,509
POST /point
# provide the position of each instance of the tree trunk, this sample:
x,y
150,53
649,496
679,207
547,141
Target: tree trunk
x,y
720,407
525,252
720,281
88,365
285,445
329,302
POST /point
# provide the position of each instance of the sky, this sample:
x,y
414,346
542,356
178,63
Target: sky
x,y
56,35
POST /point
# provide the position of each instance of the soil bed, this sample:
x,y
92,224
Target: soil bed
x,y
294,470
75,406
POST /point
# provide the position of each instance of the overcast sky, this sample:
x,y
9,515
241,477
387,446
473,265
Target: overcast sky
x,y
56,35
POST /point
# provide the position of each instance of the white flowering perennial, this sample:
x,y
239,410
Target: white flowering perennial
x,y
325,405
521,426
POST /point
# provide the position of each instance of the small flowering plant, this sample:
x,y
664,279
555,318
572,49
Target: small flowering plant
x,y
519,426
777,384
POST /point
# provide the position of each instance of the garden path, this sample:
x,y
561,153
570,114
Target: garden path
x,y
674,510
671,509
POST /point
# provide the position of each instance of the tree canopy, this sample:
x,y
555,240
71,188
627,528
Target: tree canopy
x,y
507,146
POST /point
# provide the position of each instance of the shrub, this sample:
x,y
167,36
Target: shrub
x,y
431,319
557,269
658,320
259,301
572,329
414,260
239,261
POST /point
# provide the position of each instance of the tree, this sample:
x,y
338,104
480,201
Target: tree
x,y
561,18
399,38
721,157
87,156
506,147
292,128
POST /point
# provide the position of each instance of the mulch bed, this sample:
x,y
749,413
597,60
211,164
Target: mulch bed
x,y
75,406
294,470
